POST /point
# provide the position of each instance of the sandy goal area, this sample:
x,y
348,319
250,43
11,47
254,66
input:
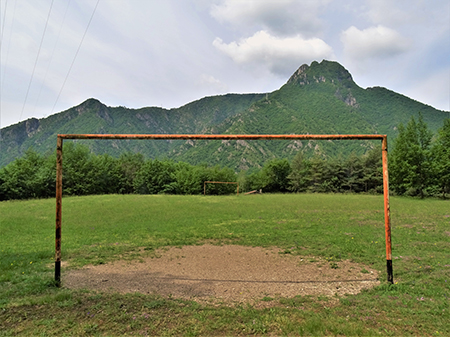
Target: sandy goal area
x,y
227,273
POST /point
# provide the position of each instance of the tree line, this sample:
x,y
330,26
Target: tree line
x,y
419,165
420,161
85,173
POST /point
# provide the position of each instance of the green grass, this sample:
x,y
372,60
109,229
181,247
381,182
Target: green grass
x,y
98,229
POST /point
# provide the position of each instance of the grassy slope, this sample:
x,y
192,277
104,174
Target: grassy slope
x,y
98,229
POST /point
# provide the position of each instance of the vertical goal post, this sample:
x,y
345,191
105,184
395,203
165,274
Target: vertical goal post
x,y
59,171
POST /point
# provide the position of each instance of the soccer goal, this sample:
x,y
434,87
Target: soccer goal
x,y
221,182
59,170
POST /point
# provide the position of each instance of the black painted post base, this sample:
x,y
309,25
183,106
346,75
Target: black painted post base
x,y
390,275
58,273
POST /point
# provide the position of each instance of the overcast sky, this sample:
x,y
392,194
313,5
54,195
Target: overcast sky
x,y
135,53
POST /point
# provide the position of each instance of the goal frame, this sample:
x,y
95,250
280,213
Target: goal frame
x,y
220,182
59,171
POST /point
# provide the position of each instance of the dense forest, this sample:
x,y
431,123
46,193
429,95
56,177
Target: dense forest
x,y
419,165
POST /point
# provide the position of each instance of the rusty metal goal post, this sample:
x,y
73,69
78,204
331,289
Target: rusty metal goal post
x,y
59,170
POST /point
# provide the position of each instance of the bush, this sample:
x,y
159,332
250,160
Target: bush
x,y
27,177
155,177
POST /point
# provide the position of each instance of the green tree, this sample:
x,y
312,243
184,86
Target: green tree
x,y
217,173
410,160
129,165
105,175
441,156
275,174
372,179
189,179
77,166
2,186
155,177
353,181
318,174
299,178
46,177
25,178
336,175
254,181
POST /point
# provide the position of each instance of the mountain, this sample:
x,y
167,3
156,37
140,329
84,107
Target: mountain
x,y
92,116
321,98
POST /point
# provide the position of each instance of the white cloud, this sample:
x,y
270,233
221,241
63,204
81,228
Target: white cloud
x,y
152,52
373,42
212,84
281,55
282,17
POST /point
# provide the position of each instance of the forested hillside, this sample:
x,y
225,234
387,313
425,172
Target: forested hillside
x,y
318,99
419,166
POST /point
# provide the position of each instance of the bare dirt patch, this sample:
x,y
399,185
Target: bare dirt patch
x,y
227,273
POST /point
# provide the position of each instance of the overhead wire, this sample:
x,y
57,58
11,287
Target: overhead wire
x,y
74,58
36,61
9,43
51,57
5,66
1,42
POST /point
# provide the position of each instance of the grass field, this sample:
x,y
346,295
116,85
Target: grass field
x,y
98,229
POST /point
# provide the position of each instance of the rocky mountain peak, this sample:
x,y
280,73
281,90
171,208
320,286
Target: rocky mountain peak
x,y
325,71
90,103
93,105
299,74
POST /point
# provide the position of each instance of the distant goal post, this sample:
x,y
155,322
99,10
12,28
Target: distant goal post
x,y
59,168
221,182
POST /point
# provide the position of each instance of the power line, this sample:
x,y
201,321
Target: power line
x,y
35,62
3,23
51,57
74,58
9,43
1,40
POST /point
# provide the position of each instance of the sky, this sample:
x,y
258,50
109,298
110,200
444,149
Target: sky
x,y
55,54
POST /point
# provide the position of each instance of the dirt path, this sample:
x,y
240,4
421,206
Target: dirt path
x,y
226,273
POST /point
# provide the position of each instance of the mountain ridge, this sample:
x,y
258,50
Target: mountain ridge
x,y
320,98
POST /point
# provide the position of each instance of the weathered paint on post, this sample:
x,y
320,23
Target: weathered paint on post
x,y
59,146
228,137
387,215
60,138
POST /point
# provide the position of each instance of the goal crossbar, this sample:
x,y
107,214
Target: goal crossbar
x,y
59,167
